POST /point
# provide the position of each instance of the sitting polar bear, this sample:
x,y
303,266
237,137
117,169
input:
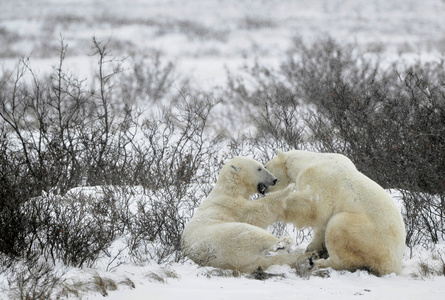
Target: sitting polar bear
x,y
228,229
353,218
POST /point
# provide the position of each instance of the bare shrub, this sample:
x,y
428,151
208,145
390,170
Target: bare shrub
x,y
176,168
148,80
175,172
272,109
424,218
63,133
33,280
75,229
58,134
389,123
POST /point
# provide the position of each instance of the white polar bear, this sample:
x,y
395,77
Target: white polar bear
x,y
353,218
228,230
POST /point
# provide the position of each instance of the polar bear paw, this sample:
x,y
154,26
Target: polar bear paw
x,y
305,264
284,243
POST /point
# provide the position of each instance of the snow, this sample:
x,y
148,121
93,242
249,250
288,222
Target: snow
x,y
192,282
240,31
224,32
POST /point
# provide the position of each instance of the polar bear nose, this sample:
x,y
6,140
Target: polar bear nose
x,y
274,181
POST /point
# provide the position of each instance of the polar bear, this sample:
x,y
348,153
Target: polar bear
x,y
228,230
353,218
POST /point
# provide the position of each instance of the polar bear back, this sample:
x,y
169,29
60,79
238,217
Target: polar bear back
x,y
336,180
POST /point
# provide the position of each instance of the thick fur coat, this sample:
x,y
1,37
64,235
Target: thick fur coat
x,y
353,218
228,230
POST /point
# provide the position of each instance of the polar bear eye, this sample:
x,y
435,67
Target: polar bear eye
x,y
259,169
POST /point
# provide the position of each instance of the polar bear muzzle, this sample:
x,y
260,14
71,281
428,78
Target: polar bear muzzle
x,y
263,188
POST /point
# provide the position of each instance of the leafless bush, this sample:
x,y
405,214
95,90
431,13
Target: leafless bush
x,y
149,79
424,218
59,134
177,162
272,108
33,280
75,229
175,170
193,30
56,134
389,122
62,133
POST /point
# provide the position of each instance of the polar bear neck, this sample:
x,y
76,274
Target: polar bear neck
x,y
232,186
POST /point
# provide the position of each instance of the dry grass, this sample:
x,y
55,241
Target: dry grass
x,y
95,284
210,272
434,266
161,275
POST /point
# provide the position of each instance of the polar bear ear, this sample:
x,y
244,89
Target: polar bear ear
x,y
279,152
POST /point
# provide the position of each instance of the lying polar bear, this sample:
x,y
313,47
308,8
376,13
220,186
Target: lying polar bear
x,y
228,229
352,216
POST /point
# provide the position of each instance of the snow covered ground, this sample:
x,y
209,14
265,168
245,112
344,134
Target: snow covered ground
x,y
205,38
191,282
340,286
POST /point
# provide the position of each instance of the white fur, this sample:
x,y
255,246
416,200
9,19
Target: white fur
x,y
228,229
352,216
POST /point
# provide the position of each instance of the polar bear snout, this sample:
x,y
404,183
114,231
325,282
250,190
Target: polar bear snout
x,y
263,187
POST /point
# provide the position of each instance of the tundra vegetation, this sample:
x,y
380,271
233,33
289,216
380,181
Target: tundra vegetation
x,y
146,145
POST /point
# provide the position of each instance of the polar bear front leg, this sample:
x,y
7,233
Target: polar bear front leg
x,y
267,210
302,210
281,195
318,243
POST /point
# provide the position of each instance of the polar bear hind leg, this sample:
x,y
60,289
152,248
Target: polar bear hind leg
x,y
276,252
351,246
242,247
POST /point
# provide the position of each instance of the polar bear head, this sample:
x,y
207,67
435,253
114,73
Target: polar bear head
x,y
287,166
278,167
242,173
